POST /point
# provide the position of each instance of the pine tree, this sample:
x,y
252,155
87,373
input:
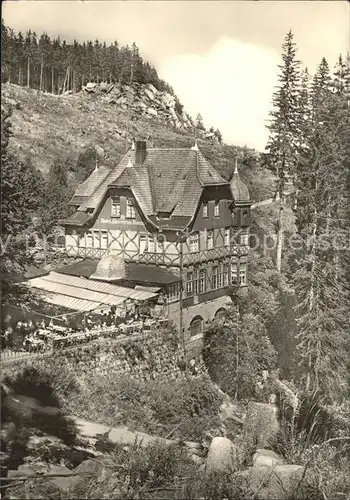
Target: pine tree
x,y
320,281
21,193
6,46
28,54
281,147
199,122
18,60
301,175
60,66
218,136
58,192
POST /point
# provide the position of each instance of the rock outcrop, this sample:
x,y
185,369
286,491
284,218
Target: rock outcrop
x,y
261,424
274,483
266,458
222,456
142,99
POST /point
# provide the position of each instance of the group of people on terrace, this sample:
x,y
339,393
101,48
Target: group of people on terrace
x,y
33,335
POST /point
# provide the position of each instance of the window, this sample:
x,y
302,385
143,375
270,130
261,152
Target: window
x,y
143,243
150,244
225,274
77,238
205,209
214,278
104,239
216,209
244,239
173,292
210,239
243,274
130,209
194,243
202,281
195,282
189,284
234,273
159,245
89,239
220,276
96,235
115,208
227,237
196,326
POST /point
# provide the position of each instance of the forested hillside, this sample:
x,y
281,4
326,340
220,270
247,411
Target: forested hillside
x,y
55,66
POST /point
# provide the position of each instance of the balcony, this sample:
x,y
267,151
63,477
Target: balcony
x,y
215,253
157,258
164,259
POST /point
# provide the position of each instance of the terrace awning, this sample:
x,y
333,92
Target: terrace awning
x,y
82,294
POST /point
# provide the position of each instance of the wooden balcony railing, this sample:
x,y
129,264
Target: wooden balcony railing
x,y
165,258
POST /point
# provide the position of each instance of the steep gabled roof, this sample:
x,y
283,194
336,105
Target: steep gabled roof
x,y
137,179
88,187
168,181
239,189
79,218
101,188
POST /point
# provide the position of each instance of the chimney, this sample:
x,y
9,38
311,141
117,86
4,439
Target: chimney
x,y
141,152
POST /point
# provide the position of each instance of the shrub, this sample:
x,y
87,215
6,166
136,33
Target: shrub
x,y
154,407
39,384
217,485
236,351
310,424
135,472
50,383
312,436
327,471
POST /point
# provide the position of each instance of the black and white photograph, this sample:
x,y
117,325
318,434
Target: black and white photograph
x,y
175,250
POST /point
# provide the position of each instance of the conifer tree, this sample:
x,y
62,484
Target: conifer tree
x,y
21,193
58,192
218,136
320,282
56,66
199,122
282,146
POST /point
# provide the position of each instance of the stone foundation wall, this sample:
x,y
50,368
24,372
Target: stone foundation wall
x,y
145,357
206,310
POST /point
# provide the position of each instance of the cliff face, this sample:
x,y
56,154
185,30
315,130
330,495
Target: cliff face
x,y
145,100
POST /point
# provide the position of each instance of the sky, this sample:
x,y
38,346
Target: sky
x,y
220,57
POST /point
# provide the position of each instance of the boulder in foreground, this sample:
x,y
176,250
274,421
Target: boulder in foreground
x,y
222,455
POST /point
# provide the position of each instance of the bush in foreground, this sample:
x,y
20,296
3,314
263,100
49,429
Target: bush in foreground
x,y
187,407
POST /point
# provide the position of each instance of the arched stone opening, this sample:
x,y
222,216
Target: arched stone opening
x,y
220,312
196,326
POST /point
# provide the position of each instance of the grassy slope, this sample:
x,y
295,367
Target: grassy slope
x,y
46,126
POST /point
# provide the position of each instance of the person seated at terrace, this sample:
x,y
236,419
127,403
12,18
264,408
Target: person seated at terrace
x,y
31,326
73,324
27,342
9,337
3,339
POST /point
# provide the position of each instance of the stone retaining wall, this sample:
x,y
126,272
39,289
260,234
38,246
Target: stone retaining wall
x,y
150,356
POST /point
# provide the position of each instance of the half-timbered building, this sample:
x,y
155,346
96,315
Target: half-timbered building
x,y
164,218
